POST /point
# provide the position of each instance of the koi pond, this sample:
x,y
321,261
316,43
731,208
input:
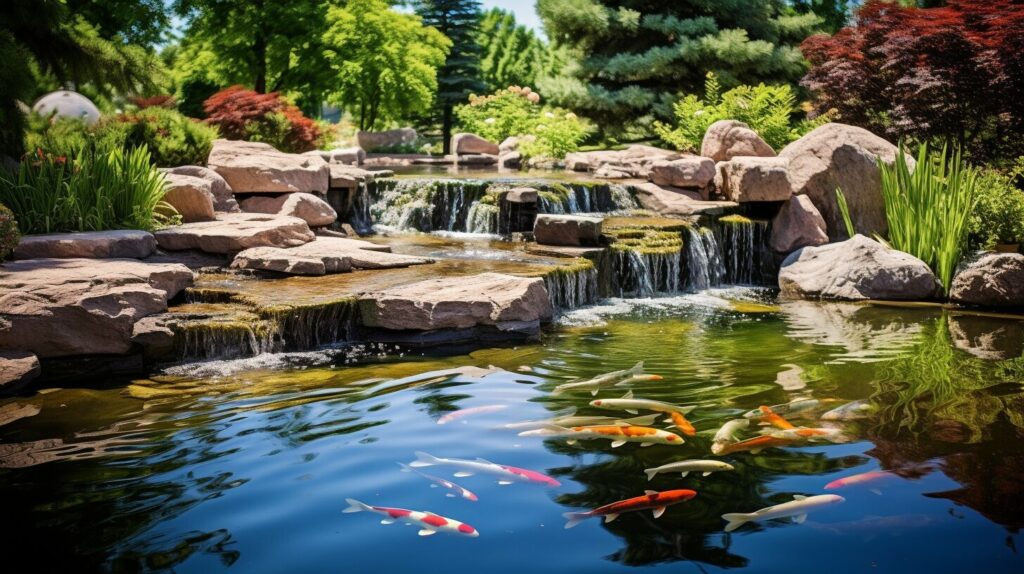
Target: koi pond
x,y
246,465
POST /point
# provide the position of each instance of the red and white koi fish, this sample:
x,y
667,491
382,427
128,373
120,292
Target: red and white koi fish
x,y
437,481
633,406
428,522
857,479
612,379
651,500
462,413
792,407
506,474
797,508
619,434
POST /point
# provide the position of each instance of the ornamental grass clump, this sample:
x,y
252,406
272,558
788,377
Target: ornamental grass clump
x,y
98,186
928,208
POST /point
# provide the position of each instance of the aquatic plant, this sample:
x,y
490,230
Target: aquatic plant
x,y
928,208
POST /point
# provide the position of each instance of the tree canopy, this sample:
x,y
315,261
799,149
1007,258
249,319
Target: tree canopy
x,y
634,58
511,54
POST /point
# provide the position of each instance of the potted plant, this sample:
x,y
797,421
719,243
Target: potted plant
x,y
997,222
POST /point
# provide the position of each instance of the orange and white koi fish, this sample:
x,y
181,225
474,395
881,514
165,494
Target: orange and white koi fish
x,y
769,416
506,474
796,508
792,407
651,500
727,434
437,481
619,434
632,405
811,434
612,379
462,413
755,445
428,522
857,479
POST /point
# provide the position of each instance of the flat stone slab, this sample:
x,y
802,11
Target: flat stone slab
x,y
324,255
17,369
234,232
62,307
570,230
254,167
116,244
673,203
308,207
496,299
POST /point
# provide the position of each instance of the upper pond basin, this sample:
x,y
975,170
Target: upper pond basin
x,y
244,466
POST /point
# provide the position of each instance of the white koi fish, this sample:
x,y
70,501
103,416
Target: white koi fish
x,y
634,406
506,474
850,411
789,408
582,420
437,481
727,434
797,508
612,379
687,466
428,522
459,414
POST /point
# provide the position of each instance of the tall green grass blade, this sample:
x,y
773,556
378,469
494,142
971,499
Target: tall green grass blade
x,y
844,209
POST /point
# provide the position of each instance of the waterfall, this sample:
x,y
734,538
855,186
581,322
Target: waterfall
x,y
308,327
744,246
642,273
423,205
703,259
360,217
572,287
622,199
549,202
483,218
199,340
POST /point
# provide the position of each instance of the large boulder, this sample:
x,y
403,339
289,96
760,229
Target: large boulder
x,y
676,202
233,232
325,255
798,224
458,303
466,143
115,244
354,155
726,139
314,211
635,160
840,156
223,195
372,141
255,167
690,172
551,229
17,369
747,178
856,269
62,307
190,196
349,176
994,280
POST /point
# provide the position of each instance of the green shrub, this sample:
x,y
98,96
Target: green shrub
x,y
9,235
768,110
998,215
517,111
928,208
172,138
97,186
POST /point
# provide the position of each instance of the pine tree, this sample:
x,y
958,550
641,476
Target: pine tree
x,y
634,58
460,75
511,53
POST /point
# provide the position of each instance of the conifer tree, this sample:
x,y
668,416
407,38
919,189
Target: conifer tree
x,y
511,53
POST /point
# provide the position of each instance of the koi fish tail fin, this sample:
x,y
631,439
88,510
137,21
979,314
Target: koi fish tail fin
x,y
424,459
650,473
736,520
356,506
575,518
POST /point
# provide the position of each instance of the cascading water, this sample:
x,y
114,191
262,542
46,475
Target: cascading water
x,y
744,248
572,287
483,218
703,259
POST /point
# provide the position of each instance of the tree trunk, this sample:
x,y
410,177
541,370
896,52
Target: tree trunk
x,y
446,127
259,48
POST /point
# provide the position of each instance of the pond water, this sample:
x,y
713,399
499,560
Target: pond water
x,y
245,466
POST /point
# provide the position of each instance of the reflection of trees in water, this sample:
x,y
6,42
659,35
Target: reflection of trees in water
x,y
160,552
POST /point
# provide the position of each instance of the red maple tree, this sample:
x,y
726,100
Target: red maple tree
x,y
240,113
955,72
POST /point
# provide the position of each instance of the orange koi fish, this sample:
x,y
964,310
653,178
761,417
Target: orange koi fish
x,y
804,433
651,500
684,426
769,416
755,445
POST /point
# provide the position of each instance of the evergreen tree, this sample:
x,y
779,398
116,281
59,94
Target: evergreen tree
x,y
460,75
512,55
635,57
834,14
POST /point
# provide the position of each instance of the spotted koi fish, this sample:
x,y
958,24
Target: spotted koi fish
x,y
428,522
651,500
619,434
455,489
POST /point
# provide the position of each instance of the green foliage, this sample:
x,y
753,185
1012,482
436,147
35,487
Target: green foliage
x,y
511,54
384,62
998,215
768,110
844,209
172,138
100,186
516,111
631,59
928,208
9,234
141,22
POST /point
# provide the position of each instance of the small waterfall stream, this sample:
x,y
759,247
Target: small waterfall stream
x,y
744,250
703,260
573,287
642,274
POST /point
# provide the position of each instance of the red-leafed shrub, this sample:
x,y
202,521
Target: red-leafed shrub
x,y
164,101
954,72
243,114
